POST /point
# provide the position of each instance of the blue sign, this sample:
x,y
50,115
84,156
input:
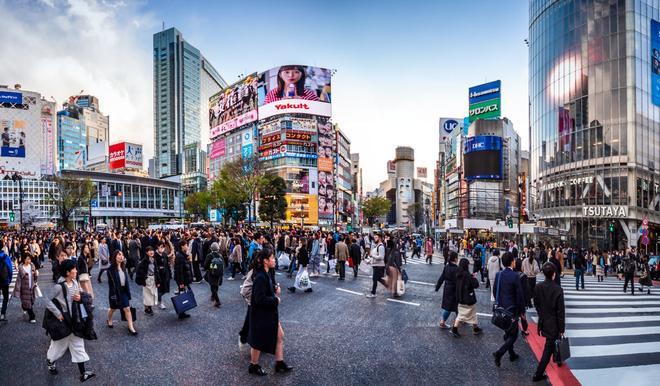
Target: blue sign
x,y
11,97
95,204
247,151
655,62
482,142
466,125
12,152
449,125
485,92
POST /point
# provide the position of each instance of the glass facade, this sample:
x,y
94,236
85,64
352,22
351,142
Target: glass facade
x,y
71,139
594,133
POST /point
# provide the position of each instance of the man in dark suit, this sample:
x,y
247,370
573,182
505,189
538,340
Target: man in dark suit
x,y
511,298
197,257
549,303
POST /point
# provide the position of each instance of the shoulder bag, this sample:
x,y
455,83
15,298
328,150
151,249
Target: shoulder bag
x,y
55,328
501,318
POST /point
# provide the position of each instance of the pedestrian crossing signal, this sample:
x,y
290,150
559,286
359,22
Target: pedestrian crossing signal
x,y
11,216
612,227
510,222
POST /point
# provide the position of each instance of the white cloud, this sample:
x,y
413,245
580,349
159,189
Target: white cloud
x,y
61,47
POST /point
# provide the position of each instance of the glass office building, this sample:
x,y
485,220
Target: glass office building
x,y
594,131
71,138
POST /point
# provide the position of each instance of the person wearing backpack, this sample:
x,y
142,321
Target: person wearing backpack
x,y
214,270
629,272
6,273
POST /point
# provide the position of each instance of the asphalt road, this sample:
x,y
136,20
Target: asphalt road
x,y
333,336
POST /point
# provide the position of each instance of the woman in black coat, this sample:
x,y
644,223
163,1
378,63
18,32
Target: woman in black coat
x,y
265,332
449,300
119,294
183,272
164,273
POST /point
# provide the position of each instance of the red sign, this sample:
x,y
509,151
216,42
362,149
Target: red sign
x,y
299,135
117,156
270,138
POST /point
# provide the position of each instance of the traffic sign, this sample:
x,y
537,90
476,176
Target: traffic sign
x,y
645,240
95,204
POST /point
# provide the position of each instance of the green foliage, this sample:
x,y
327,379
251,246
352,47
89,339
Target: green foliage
x,y
236,186
375,207
69,195
272,204
197,204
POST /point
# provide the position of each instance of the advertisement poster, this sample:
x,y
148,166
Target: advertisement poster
x,y
117,158
484,101
655,62
133,156
234,106
326,188
391,166
247,150
297,181
295,89
421,172
47,166
218,148
13,138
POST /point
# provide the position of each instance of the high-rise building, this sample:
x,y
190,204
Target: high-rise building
x,y
71,138
356,185
183,83
344,180
594,90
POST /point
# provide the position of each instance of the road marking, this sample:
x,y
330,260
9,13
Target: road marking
x,y
614,349
629,375
641,310
349,291
623,331
404,302
420,282
613,319
486,315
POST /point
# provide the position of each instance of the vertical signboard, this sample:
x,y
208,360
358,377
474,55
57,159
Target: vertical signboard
x,y
655,62
117,156
484,100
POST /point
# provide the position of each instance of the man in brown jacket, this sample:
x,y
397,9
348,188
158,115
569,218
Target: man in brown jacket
x,y
341,254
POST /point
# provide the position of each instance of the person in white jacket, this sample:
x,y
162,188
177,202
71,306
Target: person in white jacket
x,y
494,266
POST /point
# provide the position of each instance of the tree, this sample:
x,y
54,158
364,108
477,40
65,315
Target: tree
x,y
197,204
375,207
237,186
69,195
272,204
414,211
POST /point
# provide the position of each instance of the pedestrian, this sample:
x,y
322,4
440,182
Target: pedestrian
x,y
428,249
146,275
600,267
393,264
82,266
580,266
558,268
6,274
104,257
629,266
213,272
265,331
549,304
477,262
341,254
377,262
530,268
26,284
302,258
183,271
449,299
494,266
466,284
119,293
236,259
163,271
509,295
196,253
134,257
355,254
65,293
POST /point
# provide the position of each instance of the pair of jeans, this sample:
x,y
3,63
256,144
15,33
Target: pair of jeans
x,y
316,263
376,277
5,298
579,275
548,350
445,315
510,338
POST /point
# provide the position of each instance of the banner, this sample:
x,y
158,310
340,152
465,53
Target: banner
x,y
655,62
218,148
421,172
234,106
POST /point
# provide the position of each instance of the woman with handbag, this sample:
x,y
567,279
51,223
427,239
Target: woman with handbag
x,y
104,257
164,273
466,283
393,267
265,332
26,285
236,259
83,269
119,293
66,294
146,276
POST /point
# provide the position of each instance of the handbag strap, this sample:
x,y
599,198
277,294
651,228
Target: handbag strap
x,y
65,293
497,295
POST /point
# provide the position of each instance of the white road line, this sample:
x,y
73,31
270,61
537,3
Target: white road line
x,y
614,319
629,375
621,303
587,295
349,291
624,331
614,349
404,302
420,282
612,310
486,315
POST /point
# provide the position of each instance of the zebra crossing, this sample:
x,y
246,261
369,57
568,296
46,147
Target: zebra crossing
x,y
615,337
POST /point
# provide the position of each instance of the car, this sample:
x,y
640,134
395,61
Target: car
x,y
654,267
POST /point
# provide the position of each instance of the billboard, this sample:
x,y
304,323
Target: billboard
x,y
234,106
133,156
218,148
117,157
391,166
421,172
14,98
13,138
655,62
482,157
484,101
326,183
295,89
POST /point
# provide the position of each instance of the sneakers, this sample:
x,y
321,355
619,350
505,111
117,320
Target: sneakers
x,y
444,326
33,321
87,375
51,367
230,279
162,306
370,296
477,330
2,318
514,357
455,333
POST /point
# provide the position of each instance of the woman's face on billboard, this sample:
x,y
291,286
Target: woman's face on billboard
x,y
291,76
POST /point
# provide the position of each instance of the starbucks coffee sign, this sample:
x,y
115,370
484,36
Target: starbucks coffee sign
x,y
605,211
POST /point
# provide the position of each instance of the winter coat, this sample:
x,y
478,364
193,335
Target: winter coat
x,y
303,256
264,317
236,255
142,271
183,273
23,290
213,280
549,303
163,272
122,294
465,286
341,251
133,253
10,269
494,266
448,277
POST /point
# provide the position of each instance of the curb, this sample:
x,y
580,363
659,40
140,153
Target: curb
x,y
556,375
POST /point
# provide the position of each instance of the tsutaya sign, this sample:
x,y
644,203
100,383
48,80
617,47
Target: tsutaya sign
x,y
611,211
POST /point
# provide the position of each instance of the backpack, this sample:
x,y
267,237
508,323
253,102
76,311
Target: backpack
x,y
4,269
629,265
246,288
216,266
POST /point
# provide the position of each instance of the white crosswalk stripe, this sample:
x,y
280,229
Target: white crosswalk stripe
x,y
612,333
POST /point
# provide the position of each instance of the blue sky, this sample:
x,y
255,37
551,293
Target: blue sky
x,y
400,64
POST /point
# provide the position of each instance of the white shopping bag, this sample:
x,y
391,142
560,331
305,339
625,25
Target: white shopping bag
x,y
333,264
302,280
400,287
37,292
364,267
284,260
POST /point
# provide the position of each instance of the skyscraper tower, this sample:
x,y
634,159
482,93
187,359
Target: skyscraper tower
x,y
183,82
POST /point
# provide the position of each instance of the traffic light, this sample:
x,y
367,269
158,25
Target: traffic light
x,y
120,193
510,222
11,216
611,227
